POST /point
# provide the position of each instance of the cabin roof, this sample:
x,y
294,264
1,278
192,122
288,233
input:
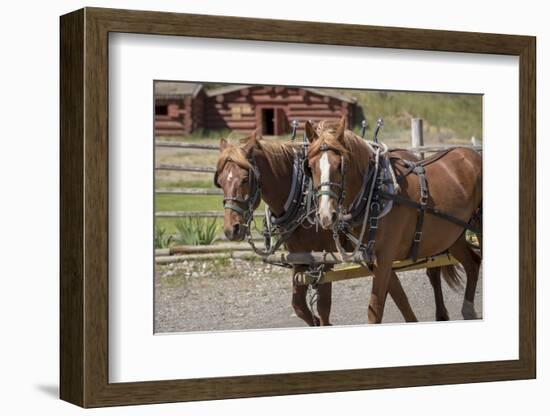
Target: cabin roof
x,y
232,88
165,89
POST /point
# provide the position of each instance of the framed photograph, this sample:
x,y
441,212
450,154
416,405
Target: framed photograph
x,y
240,196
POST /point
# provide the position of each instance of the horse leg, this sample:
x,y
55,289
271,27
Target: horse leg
x,y
434,274
400,298
471,262
379,292
299,302
324,303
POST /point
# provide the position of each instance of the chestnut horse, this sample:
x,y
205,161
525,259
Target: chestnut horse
x,y
455,187
274,162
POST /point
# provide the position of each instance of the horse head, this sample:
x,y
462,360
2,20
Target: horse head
x,y
237,175
326,164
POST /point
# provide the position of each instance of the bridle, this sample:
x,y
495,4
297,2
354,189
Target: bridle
x,y
282,227
251,202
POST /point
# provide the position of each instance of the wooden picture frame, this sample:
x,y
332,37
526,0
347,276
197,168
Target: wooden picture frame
x,y
84,207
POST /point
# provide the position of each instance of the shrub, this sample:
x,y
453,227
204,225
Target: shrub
x,y
162,240
196,231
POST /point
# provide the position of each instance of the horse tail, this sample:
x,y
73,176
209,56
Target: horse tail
x,y
453,276
477,221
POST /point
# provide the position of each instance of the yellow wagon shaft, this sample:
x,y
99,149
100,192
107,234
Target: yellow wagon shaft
x,y
355,271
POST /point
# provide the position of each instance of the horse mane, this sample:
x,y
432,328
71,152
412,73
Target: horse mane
x,y
234,154
351,144
273,151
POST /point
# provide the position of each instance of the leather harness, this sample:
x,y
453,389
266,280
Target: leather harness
x,y
298,206
358,207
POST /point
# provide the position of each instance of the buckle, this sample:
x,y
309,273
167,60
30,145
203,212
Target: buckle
x,y
419,170
417,236
374,223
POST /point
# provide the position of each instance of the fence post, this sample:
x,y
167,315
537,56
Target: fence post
x,y
417,135
474,141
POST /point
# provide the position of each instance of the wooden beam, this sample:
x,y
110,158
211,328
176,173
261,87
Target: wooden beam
x,y
212,248
417,135
202,256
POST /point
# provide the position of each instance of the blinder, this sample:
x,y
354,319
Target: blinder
x,y
216,183
306,169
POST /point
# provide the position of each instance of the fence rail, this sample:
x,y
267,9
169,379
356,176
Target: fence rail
x,y
209,169
184,168
189,191
196,214
434,149
416,148
182,145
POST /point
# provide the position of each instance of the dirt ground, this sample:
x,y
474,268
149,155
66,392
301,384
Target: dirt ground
x,y
234,294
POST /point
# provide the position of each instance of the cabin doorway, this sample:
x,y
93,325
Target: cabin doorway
x,y
273,121
268,121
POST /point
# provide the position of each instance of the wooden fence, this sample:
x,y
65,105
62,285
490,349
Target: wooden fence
x,y
417,147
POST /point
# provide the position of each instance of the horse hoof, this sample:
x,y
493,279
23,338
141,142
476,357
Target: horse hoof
x,y
468,311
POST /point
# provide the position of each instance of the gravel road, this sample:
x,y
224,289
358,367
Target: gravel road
x,y
233,294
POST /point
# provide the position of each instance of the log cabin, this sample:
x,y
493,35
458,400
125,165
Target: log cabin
x,y
182,108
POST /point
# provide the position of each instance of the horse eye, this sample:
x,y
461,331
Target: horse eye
x,y
245,179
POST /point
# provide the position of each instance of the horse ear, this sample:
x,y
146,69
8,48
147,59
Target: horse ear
x,y
341,129
310,132
223,144
257,135
251,141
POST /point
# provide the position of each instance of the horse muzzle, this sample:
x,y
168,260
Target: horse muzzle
x,y
235,232
327,220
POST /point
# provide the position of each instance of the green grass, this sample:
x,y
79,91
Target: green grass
x,y
188,203
446,116
186,183
191,203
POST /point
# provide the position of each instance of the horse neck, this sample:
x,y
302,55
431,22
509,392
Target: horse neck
x,y
275,181
358,158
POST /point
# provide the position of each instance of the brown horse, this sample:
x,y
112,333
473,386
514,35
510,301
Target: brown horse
x,y
455,187
274,161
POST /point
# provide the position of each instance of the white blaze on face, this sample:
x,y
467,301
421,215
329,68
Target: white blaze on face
x,y
230,176
324,208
